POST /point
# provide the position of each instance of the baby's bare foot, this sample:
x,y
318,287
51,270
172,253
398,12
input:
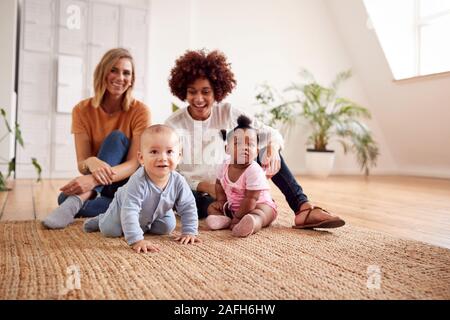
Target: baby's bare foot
x,y
217,222
245,227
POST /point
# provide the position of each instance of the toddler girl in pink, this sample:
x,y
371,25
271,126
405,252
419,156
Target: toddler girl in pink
x,y
243,202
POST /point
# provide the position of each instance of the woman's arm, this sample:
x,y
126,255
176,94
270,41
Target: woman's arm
x,y
141,120
126,169
88,164
97,172
83,151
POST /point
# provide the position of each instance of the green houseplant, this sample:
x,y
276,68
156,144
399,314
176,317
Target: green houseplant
x,y
328,115
12,162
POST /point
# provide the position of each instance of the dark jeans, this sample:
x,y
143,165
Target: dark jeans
x,y
113,151
202,200
284,180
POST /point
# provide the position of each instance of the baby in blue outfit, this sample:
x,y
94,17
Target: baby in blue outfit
x,y
145,202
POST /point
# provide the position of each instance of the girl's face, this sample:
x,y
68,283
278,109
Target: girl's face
x,y
119,77
200,97
244,146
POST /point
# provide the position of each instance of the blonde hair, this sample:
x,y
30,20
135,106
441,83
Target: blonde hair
x,y
157,128
102,69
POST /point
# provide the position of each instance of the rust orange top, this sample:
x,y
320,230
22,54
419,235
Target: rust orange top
x,y
98,124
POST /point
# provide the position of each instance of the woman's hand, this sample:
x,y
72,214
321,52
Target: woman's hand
x,y
207,187
187,238
271,161
144,246
101,171
79,185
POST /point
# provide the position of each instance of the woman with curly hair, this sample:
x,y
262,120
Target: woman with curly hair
x,y
203,79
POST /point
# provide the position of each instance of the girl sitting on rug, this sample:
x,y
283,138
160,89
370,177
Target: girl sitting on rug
x,y
243,202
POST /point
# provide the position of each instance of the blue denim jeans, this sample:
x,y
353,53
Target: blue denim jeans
x,y
284,180
289,187
113,151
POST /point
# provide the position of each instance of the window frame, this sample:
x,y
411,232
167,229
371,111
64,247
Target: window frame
x,y
420,22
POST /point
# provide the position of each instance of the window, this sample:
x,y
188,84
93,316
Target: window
x,y
433,30
414,35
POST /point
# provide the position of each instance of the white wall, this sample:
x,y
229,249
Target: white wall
x,y
268,40
413,114
8,21
168,38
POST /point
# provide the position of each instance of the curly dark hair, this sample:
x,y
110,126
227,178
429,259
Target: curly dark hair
x,y
200,64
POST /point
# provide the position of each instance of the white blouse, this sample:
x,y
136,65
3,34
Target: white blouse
x,y
202,145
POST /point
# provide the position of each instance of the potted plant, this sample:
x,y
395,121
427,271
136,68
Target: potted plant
x,y
329,117
12,162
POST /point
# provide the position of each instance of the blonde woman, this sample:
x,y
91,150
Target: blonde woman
x,y
107,129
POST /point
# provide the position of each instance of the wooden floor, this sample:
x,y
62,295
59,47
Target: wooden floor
x,y
406,207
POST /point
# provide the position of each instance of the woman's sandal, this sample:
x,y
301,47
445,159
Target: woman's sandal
x,y
333,222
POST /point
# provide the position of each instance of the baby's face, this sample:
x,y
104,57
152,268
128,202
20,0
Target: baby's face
x,y
159,154
244,146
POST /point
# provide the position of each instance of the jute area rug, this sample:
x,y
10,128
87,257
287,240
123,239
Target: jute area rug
x,y
277,263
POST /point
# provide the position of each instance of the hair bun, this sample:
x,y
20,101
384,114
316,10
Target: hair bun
x,y
243,121
223,134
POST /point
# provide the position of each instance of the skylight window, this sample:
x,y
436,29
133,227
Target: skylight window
x,y
414,35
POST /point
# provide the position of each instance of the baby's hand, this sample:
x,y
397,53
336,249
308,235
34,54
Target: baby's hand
x,y
145,246
187,238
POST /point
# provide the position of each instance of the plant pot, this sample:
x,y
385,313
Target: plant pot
x,y
319,163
